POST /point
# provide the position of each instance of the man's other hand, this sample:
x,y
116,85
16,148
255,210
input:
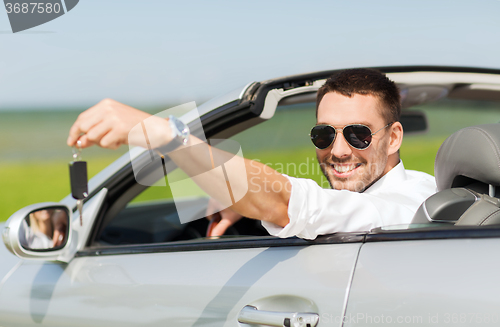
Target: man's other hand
x,y
220,221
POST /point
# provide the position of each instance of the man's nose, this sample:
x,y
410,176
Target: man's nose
x,y
340,148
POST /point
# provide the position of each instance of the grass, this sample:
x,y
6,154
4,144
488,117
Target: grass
x,y
418,155
25,183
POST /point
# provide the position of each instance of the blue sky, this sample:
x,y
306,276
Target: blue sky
x,y
156,52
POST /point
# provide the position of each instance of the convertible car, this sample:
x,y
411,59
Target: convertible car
x,y
131,261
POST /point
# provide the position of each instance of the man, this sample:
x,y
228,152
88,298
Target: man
x,y
358,136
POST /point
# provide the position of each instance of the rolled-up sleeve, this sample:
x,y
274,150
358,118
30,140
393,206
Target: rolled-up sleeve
x,y
313,211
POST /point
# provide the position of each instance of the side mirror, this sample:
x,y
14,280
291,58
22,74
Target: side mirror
x,y
39,231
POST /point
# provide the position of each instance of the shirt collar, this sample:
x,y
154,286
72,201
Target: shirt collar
x,y
393,177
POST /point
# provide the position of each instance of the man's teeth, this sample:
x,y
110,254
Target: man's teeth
x,y
345,168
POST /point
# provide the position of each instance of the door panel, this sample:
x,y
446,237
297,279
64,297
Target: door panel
x,y
195,288
450,282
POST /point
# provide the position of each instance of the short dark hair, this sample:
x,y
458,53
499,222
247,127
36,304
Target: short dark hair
x,y
365,82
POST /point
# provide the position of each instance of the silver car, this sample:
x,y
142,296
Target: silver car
x,y
132,262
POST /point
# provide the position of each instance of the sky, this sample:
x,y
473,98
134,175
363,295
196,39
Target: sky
x,y
149,53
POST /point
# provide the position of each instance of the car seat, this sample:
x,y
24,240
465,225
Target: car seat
x,y
467,171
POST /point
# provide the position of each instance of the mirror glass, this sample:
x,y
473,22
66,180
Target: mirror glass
x,y
45,229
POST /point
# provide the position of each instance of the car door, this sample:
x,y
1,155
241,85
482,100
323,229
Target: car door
x,y
196,284
428,277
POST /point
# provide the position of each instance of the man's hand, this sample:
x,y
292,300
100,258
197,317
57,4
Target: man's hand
x,y
109,123
220,221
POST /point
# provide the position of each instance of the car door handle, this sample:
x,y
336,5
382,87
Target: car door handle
x,y
251,315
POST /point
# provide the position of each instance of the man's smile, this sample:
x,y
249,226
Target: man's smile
x,y
344,170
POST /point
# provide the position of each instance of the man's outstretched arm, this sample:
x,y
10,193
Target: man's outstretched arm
x,y
109,124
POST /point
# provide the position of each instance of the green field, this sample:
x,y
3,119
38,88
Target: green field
x,y
34,157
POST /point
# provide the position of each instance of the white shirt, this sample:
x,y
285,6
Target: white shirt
x,y
392,200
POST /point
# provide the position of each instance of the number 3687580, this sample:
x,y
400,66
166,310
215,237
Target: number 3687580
x,y
32,7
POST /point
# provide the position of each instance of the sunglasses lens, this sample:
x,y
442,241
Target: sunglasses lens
x,y
358,136
322,136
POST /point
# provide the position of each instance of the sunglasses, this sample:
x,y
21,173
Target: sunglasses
x,y
358,136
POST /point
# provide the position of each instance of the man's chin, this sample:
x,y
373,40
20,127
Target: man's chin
x,y
338,183
348,185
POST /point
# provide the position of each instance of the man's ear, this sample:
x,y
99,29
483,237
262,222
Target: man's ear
x,y
396,138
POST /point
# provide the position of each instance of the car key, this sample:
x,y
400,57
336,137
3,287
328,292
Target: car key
x,y
78,179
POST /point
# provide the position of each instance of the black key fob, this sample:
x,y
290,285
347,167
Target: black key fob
x,y
78,179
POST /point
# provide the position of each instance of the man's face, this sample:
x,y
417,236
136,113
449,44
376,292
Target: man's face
x,y
345,167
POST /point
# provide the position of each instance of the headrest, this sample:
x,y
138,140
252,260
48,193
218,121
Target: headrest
x,y
468,156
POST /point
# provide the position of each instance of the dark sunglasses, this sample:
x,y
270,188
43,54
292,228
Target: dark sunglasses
x,y
358,136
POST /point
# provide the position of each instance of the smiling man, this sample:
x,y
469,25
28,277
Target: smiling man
x,y
355,102
357,139
357,136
